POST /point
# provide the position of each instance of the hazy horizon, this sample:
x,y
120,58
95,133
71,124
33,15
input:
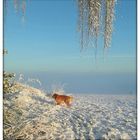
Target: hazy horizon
x,y
89,83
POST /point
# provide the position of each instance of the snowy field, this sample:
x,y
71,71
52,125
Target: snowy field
x,y
89,117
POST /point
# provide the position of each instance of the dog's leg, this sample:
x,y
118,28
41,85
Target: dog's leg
x,y
58,103
68,104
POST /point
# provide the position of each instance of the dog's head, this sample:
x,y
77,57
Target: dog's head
x,y
54,95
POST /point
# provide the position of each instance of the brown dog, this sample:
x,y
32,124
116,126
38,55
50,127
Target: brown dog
x,y
60,99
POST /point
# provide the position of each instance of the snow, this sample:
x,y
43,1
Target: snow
x,y
89,117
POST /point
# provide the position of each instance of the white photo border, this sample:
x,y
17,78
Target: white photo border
x,y
1,68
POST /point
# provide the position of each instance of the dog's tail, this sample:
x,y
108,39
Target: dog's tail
x,y
71,98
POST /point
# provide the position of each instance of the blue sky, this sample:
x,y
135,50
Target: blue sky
x,y
48,41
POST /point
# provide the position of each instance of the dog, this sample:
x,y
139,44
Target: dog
x,y
60,99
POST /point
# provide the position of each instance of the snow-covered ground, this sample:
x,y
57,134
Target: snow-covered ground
x,y
89,117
